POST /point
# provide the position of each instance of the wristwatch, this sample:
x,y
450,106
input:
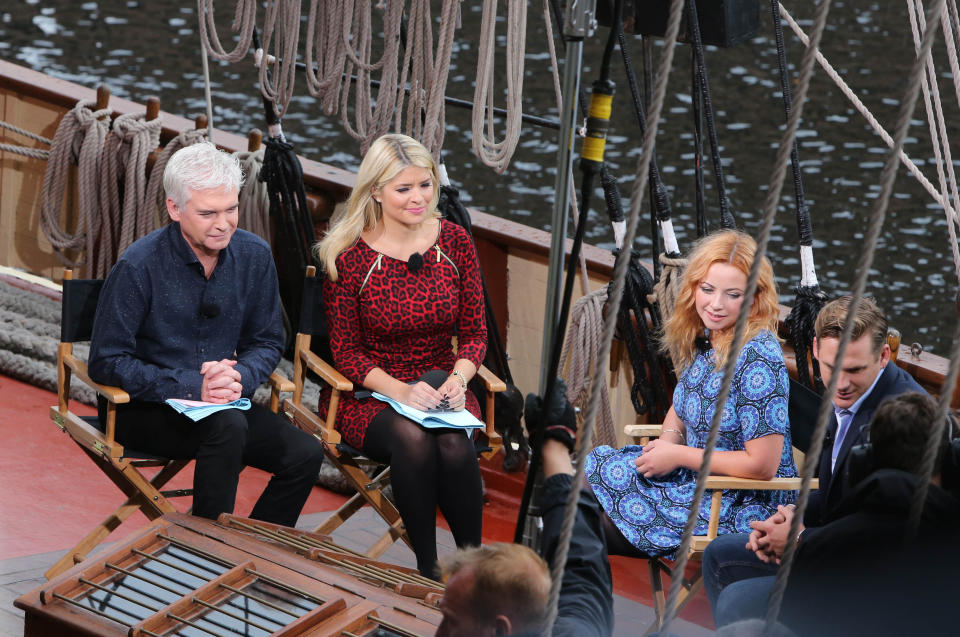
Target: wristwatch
x,y
459,374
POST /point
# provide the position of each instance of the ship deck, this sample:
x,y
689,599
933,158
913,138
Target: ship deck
x,y
51,495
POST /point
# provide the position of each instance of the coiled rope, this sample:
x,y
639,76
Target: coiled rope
x,y
324,54
428,72
356,39
79,140
254,197
137,138
615,295
877,217
497,154
244,19
579,360
278,71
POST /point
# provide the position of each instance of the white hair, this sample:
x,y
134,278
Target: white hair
x,y
200,167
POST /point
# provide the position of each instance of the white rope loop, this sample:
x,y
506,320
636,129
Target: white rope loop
x,y
325,55
497,154
139,138
254,213
244,21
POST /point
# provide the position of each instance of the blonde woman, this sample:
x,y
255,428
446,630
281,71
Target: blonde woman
x,y
646,492
400,283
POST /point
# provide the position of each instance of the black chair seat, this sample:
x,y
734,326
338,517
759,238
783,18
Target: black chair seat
x,y
94,421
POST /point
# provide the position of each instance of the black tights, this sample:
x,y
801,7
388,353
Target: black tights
x,y
429,468
617,544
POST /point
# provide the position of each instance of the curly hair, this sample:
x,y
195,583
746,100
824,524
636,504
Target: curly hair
x,y
684,325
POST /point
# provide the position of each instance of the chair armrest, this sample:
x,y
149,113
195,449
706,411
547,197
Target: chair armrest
x,y
325,370
311,423
490,380
774,484
280,383
111,393
643,431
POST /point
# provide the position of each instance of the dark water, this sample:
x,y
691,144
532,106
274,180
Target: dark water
x,y
152,48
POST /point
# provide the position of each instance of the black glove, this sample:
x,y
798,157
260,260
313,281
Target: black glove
x,y
559,418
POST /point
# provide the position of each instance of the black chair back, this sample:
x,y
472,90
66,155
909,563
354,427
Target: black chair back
x,y
80,298
803,408
313,317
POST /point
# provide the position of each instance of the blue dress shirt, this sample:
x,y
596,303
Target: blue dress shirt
x,y
159,318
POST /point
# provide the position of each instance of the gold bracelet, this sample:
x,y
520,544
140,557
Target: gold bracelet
x,y
459,374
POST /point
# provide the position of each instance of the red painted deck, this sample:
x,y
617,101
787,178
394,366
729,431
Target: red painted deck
x,y
51,494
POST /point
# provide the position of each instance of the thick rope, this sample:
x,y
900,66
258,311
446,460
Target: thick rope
x,y
584,444
25,133
877,217
139,138
278,70
26,151
667,287
579,361
324,53
356,36
79,140
254,197
939,197
244,20
938,127
497,154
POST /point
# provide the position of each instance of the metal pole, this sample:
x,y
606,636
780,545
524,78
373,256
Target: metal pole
x,y
579,23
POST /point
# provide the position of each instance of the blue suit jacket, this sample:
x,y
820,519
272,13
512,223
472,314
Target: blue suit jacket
x,y
833,483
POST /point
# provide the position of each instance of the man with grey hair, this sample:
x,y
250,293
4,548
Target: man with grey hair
x,y
192,311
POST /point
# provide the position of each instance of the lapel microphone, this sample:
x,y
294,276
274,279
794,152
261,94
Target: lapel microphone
x,y
415,262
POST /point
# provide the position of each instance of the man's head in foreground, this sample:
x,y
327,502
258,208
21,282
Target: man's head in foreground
x,y
495,589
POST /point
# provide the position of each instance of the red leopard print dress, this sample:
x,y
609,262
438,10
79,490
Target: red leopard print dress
x,y
380,314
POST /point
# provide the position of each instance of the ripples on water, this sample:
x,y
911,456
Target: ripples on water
x,y
152,48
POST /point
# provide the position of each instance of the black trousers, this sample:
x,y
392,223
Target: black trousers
x,y
222,444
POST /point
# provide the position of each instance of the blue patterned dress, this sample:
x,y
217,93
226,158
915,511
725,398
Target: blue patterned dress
x,y
652,512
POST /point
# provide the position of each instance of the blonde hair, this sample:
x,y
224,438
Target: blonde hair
x,y
869,319
388,156
509,579
733,248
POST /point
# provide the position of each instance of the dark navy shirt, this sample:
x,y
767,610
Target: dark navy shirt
x,y
159,318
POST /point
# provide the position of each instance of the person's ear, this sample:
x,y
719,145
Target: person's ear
x,y
502,625
173,210
884,355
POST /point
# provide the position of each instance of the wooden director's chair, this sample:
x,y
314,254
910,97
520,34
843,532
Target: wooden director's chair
x,y
803,407
349,460
97,440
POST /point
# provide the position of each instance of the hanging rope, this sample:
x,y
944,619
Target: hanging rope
x,y
938,127
278,70
324,53
138,138
244,19
357,41
254,214
939,197
497,154
79,140
809,299
579,361
878,214
616,293
155,198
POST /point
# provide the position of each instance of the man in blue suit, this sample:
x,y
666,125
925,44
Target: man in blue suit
x,y
748,563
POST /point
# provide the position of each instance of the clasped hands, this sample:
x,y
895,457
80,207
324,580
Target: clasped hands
x,y
769,537
221,381
451,394
659,458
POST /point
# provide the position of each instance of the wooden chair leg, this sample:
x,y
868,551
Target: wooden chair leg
x,y
142,495
689,590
